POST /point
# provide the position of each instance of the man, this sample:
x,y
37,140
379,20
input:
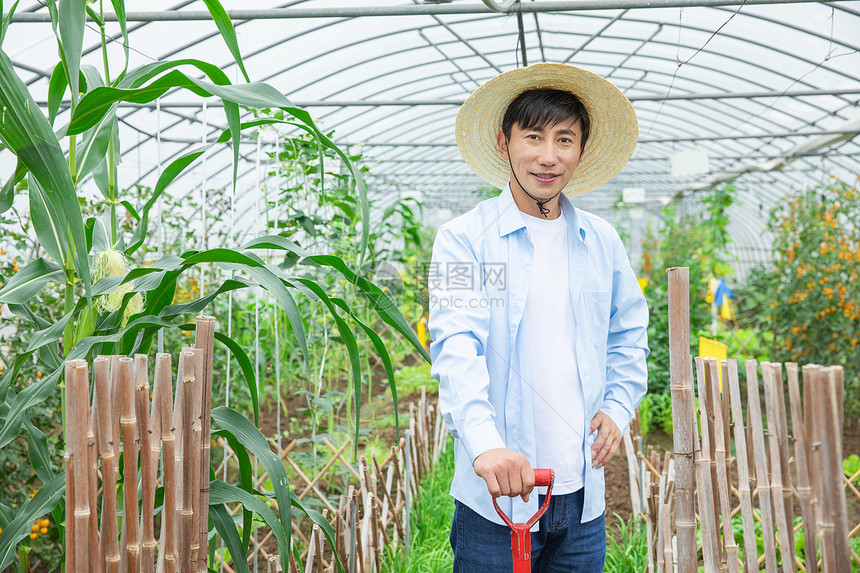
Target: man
x,y
537,320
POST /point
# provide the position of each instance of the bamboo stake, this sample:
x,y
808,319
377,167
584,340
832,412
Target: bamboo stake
x,y
96,564
167,559
108,545
128,426
760,457
705,496
649,522
730,378
804,489
205,341
147,480
818,409
683,416
667,537
832,378
720,433
69,542
77,402
631,474
712,407
771,397
194,458
787,492
186,532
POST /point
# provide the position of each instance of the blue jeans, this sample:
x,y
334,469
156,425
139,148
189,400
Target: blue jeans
x,y
563,544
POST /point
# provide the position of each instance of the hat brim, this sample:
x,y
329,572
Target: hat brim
x,y
612,139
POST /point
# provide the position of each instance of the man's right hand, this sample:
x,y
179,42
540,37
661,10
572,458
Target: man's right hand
x,y
506,473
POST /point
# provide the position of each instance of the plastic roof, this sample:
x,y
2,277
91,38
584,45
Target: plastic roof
x,y
769,91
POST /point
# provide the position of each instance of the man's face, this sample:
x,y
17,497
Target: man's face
x,y
543,158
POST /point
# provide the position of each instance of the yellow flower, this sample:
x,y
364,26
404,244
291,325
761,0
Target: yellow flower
x,y
33,535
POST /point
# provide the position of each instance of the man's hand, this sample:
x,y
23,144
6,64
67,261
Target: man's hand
x,y
608,438
506,473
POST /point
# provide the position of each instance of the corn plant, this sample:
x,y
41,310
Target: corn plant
x,y
109,309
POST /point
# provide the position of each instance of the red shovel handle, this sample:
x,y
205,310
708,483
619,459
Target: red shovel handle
x,y
543,477
521,545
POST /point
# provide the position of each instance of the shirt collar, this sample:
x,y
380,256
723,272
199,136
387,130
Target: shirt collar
x,y
511,218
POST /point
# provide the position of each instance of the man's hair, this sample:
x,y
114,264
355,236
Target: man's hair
x,y
545,107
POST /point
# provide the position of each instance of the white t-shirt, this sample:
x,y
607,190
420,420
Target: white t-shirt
x,y
553,375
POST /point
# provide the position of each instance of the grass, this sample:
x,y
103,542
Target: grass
x,y
429,549
626,547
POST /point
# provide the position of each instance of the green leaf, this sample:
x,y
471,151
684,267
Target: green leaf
x,y
101,242
131,210
46,222
227,530
119,10
247,370
228,33
37,447
223,493
93,149
48,496
73,19
251,438
7,193
50,334
56,90
27,133
29,281
4,24
246,478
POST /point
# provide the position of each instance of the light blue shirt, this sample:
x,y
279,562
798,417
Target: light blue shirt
x,y
478,285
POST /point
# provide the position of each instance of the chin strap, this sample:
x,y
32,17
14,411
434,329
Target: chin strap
x,y
543,210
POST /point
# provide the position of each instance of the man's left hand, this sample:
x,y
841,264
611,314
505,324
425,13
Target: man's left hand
x,y
608,438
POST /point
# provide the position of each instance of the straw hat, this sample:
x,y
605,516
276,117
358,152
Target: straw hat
x,y
614,128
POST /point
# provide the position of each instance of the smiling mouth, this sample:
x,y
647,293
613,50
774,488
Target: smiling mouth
x,y
545,177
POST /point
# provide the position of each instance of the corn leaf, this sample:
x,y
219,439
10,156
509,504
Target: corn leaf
x,y
19,528
7,193
73,19
119,10
27,133
226,528
56,90
228,33
4,23
30,280
253,440
224,493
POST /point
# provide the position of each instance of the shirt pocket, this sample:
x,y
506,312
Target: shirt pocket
x,y
597,304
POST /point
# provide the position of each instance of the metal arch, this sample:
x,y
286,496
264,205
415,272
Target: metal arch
x,y
722,71
406,30
410,10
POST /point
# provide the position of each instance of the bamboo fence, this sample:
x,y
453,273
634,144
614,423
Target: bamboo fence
x,y
784,474
124,417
